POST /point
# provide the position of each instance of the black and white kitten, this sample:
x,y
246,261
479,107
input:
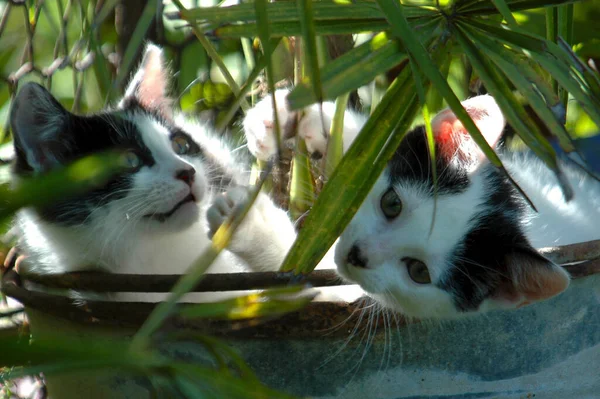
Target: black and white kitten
x,y
480,254
148,220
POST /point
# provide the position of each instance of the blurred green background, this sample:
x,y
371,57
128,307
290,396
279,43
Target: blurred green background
x,y
85,28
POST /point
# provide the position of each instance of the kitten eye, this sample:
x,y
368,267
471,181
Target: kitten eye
x,y
181,145
391,205
131,160
417,271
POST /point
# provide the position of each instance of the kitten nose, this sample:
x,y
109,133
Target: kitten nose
x,y
356,258
186,175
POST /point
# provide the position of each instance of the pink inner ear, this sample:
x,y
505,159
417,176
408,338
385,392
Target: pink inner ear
x,y
151,91
448,134
454,140
533,279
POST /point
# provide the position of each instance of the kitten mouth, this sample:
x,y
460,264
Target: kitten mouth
x,y
161,217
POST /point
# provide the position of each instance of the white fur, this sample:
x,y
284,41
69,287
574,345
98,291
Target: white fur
x,y
386,243
259,127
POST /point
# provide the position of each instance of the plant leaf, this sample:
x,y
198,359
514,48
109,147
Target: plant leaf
x,y
81,176
214,55
268,303
352,70
195,272
355,175
524,79
513,111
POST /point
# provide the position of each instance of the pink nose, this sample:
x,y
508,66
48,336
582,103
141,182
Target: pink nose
x,y
261,146
186,175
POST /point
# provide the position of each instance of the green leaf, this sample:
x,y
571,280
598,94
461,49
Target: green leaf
x,y
195,272
513,110
135,42
293,28
214,55
265,304
335,145
395,14
302,187
81,176
352,70
288,12
355,175
487,7
421,91
329,18
311,59
525,80
551,58
260,7
505,11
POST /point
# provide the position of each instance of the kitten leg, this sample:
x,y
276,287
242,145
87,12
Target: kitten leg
x,y
311,127
258,126
265,235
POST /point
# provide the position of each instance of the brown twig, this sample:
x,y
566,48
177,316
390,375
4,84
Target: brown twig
x,y
109,282
573,253
316,317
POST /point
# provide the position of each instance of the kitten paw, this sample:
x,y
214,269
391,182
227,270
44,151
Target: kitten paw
x,y
224,205
259,126
264,236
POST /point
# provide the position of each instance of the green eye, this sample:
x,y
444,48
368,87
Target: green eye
x,y
131,160
181,145
391,205
417,271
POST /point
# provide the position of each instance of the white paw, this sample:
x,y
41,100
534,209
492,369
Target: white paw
x,y
264,236
315,130
259,126
224,205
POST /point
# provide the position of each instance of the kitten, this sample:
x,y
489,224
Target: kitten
x,y
480,254
149,219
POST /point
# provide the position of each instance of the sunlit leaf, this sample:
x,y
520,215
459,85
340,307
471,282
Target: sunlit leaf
x,y
134,44
267,303
520,73
79,177
195,272
354,176
335,145
352,70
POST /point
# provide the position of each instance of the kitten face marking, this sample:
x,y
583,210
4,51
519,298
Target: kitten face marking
x,y
148,219
477,256
477,243
161,186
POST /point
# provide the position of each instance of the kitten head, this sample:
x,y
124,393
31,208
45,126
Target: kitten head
x,y
165,180
474,257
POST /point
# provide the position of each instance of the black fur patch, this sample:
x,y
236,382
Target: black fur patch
x,y
479,264
412,163
81,136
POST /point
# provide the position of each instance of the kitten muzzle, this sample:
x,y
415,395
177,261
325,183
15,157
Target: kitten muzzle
x,y
356,257
161,217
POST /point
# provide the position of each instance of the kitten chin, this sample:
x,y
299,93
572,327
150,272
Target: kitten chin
x,y
182,219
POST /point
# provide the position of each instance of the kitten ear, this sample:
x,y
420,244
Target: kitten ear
x,y
531,278
453,138
38,122
148,87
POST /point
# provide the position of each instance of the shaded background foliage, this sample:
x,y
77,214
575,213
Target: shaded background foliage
x,y
76,48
